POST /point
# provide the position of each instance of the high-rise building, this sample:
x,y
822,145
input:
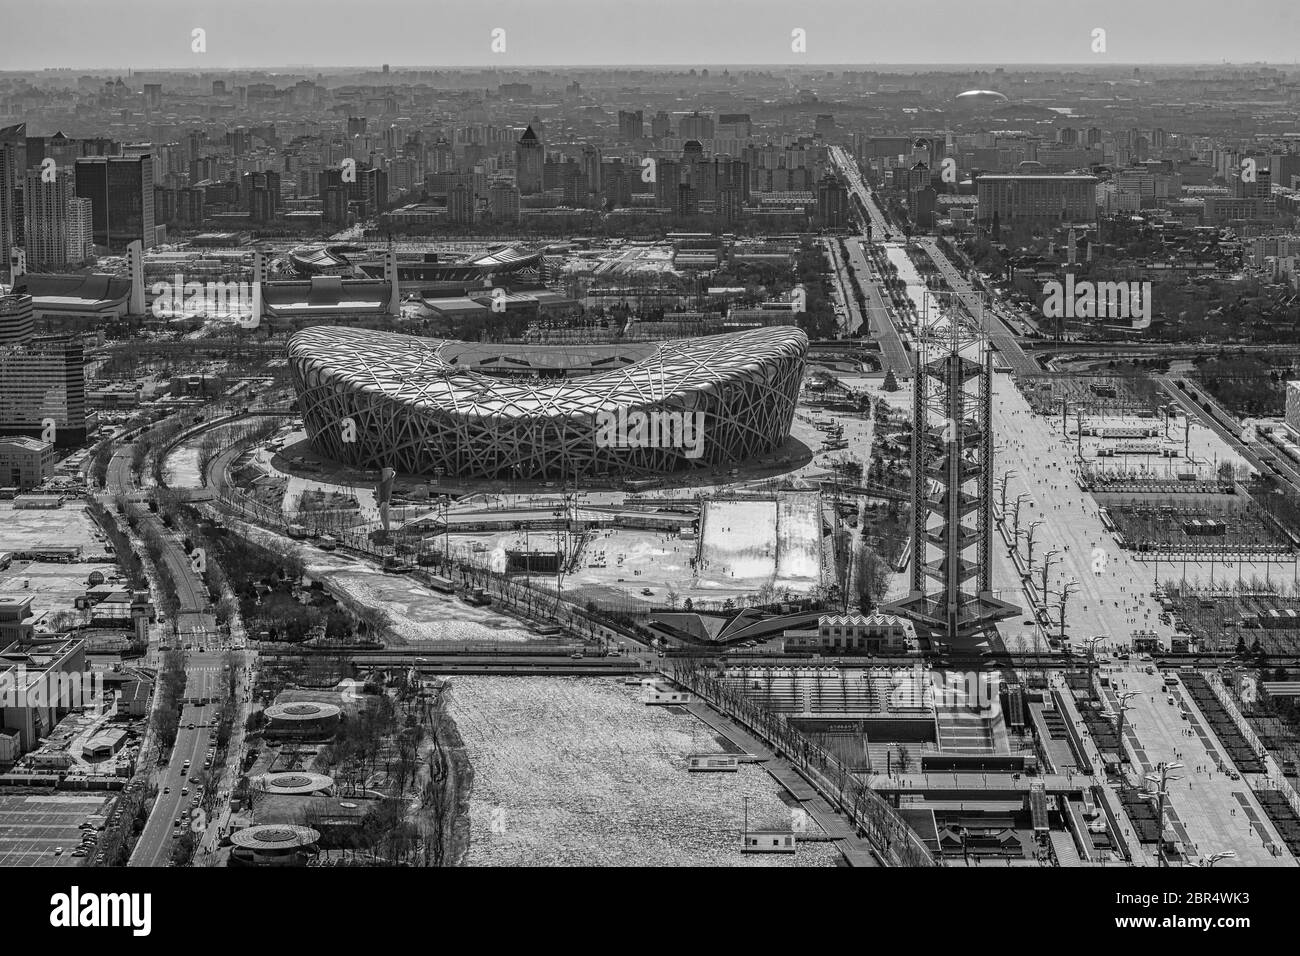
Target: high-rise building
x,y
631,126
43,383
120,189
53,240
832,203
16,317
262,194
668,176
504,202
591,168
81,230
661,125
372,186
334,194
460,203
1036,198
530,157
696,126
8,163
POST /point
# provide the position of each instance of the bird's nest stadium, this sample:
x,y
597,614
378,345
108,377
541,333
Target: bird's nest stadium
x,y
466,410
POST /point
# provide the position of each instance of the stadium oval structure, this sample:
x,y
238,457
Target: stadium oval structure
x,y
379,399
981,98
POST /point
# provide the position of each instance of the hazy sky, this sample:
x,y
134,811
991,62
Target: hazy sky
x,y
241,33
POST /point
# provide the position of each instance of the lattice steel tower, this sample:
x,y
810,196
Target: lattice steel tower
x,y
951,592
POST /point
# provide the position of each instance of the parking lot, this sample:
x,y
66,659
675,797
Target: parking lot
x,y
33,827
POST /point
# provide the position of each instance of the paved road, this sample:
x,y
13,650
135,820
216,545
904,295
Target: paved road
x,y
1259,453
883,328
195,626
999,335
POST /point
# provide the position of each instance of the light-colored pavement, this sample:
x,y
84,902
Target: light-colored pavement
x,y
1209,804
1113,596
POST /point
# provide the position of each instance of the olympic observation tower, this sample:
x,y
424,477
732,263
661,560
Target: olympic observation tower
x,y
951,593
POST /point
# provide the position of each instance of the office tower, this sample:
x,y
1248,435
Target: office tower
x,y
616,178
668,176
730,202
152,95
1067,136
734,126
591,168
372,188
575,185
240,140
661,125
262,195
16,317
442,159
696,127
529,162
8,162
460,203
832,203
631,126
43,381
504,200
1041,199
120,189
687,200
189,203
335,196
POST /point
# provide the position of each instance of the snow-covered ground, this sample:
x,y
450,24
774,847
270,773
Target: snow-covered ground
x,y
739,544
415,613
748,544
573,771
798,544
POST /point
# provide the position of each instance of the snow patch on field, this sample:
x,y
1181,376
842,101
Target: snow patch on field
x,y
575,771
750,543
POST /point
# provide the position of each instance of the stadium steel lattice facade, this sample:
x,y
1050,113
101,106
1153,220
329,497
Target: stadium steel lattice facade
x,y
428,407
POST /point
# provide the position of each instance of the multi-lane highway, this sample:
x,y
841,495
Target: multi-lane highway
x,y
195,628
879,324
882,326
999,335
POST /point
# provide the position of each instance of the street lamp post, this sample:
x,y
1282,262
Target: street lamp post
x,y
1029,543
1162,796
1119,720
1066,590
1020,499
1047,564
1002,492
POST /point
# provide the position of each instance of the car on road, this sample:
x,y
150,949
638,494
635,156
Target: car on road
x,y
79,853
167,789
58,851
185,791
190,727
176,833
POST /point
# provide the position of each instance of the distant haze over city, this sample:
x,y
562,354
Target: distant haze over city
x,y
458,33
